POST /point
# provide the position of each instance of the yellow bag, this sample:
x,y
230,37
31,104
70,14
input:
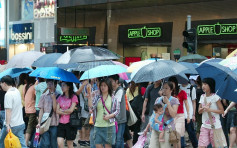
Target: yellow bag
x,y
12,141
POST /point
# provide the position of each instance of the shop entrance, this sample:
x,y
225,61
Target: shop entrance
x,y
133,53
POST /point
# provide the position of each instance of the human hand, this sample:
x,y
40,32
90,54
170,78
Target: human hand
x,y
38,126
166,99
188,120
194,118
143,118
225,112
106,117
8,128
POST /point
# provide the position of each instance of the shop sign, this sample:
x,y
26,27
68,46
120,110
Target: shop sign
x,y
217,29
146,33
80,35
21,33
214,31
44,8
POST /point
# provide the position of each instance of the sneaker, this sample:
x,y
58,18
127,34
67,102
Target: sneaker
x,y
74,144
87,143
82,143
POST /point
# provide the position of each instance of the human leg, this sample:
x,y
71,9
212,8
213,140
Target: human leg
x,y
19,132
53,136
119,136
191,132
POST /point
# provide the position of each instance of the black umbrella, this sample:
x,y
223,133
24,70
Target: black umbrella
x,y
47,60
86,54
159,70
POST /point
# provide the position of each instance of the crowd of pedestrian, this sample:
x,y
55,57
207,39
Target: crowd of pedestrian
x,y
105,104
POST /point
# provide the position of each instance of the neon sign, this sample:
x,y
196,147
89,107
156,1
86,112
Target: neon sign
x,y
217,29
72,39
144,32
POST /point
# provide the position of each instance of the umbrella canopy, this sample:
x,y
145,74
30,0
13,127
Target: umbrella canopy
x,y
192,58
232,54
137,65
124,75
54,73
191,68
159,70
86,54
103,70
2,68
230,62
89,65
14,72
24,59
47,60
217,60
226,80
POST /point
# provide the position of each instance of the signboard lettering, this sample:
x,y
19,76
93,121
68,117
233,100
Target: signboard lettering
x,y
217,29
144,32
72,39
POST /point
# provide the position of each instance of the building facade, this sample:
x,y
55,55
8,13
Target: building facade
x,y
139,30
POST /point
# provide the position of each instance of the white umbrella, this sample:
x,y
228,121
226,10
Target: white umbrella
x,y
24,59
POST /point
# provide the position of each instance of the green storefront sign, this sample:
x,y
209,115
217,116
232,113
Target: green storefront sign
x,y
217,29
144,32
72,39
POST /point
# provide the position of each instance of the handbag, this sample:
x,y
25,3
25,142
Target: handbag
x,y
46,120
75,117
174,137
132,118
219,137
116,123
86,107
140,142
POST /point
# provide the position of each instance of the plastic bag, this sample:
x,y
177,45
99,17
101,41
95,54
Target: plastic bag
x,y
140,142
12,141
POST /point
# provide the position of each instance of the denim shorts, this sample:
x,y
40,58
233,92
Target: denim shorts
x,y
230,119
104,135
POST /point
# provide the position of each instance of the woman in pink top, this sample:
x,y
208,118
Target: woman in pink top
x,y
65,106
29,96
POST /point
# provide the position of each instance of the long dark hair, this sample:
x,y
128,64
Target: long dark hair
x,y
132,87
22,79
211,82
30,82
199,81
70,91
109,84
175,81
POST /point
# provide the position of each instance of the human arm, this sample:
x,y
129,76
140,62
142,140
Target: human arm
x,y
172,109
144,109
70,110
146,129
156,119
187,109
82,87
59,110
194,109
40,117
232,104
8,118
220,109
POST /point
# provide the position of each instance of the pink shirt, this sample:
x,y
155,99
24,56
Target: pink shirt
x,y
29,99
65,103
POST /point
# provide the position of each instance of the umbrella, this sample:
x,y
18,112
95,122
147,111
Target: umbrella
x,y
24,59
2,68
191,67
137,65
124,75
47,60
88,65
86,54
103,70
14,72
217,60
192,58
159,70
54,73
230,62
226,80
232,54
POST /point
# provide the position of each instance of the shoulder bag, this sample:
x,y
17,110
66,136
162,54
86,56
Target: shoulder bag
x,y
132,118
46,120
75,117
219,137
86,107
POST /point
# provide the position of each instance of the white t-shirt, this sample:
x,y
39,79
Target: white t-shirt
x,y
215,117
12,100
189,98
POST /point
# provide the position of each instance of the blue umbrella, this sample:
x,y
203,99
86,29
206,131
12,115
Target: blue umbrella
x,y
191,68
54,73
103,70
14,72
226,80
216,60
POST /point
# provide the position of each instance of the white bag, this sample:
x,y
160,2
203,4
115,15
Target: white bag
x,y
132,118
